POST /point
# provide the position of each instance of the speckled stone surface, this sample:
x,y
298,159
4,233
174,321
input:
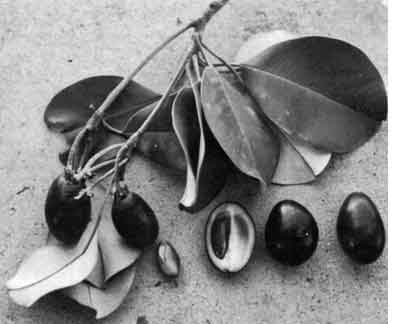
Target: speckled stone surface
x,y
46,45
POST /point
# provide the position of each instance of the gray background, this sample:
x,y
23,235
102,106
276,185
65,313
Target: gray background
x,y
46,45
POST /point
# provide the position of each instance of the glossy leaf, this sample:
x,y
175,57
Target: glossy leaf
x,y
330,67
259,42
71,107
162,148
298,161
53,267
107,299
308,115
232,118
162,121
206,163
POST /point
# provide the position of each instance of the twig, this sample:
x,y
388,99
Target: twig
x,y
97,116
225,63
110,172
198,24
132,140
95,157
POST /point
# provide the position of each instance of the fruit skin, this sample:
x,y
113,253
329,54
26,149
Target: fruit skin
x,y
291,233
66,216
134,219
360,228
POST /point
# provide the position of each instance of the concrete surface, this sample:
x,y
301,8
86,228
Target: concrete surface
x,y
46,45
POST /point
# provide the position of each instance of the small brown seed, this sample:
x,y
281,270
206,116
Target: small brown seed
x,y
168,259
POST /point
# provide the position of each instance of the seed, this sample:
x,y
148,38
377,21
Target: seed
x,y
168,259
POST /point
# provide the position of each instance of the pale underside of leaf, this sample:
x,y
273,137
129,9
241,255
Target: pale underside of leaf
x,y
306,115
107,299
190,133
298,162
206,164
56,265
115,252
53,267
97,277
245,138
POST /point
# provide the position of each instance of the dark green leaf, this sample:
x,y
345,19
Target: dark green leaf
x,y
161,123
298,161
308,115
163,148
330,67
71,107
206,163
232,118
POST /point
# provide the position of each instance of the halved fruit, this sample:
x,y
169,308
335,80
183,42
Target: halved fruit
x,y
230,237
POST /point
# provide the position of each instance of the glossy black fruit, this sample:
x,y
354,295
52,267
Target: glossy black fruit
x,y
360,229
291,233
134,219
230,237
168,260
66,216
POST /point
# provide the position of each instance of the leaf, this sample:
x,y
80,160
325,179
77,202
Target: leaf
x,y
259,42
54,267
307,115
162,148
232,118
115,253
162,122
206,163
298,161
97,277
333,68
106,300
72,107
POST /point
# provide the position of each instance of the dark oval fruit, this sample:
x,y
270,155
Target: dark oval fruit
x,y
360,228
230,237
168,259
134,219
291,233
66,216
